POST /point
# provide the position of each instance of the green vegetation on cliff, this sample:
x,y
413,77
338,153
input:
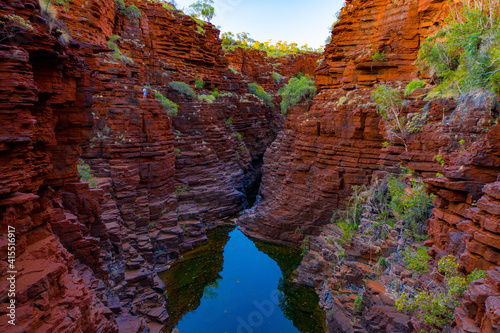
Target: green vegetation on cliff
x,y
465,53
297,89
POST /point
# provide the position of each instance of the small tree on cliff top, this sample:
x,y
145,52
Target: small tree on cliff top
x,y
204,8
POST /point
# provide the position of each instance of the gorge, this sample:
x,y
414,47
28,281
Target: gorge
x,y
126,140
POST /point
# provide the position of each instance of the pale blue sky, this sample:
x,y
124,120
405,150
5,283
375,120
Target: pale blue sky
x,y
296,21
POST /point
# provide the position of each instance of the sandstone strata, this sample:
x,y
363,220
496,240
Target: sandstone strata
x,y
67,99
336,141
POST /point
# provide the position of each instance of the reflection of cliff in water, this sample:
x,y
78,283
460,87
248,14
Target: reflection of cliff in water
x,y
197,272
300,303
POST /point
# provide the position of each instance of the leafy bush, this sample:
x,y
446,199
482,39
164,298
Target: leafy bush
x,y
86,174
412,86
229,121
465,53
416,123
216,93
436,309
297,89
118,55
379,56
133,13
183,89
199,84
390,105
277,77
181,189
414,206
417,260
206,98
168,105
204,8
258,91
358,304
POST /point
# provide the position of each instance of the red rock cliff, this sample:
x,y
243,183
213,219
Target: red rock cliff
x,y
161,179
335,142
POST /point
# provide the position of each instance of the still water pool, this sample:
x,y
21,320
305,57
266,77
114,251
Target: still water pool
x,y
234,284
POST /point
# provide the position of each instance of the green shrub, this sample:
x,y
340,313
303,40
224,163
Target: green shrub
x,y
465,53
177,152
216,93
304,247
133,13
258,91
181,189
414,206
416,261
229,121
199,84
206,98
476,274
436,309
118,55
112,43
390,105
382,262
358,304
86,174
277,77
412,86
183,89
168,105
379,56
416,123
297,89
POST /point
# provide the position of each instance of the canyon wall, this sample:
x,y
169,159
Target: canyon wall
x,y
335,142
338,140
158,181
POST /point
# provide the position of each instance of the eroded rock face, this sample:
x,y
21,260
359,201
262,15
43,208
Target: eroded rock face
x,y
43,118
161,179
336,141
466,222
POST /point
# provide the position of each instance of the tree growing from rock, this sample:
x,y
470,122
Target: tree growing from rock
x,y
204,9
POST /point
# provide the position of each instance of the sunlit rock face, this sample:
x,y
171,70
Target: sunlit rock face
x,y
336,141
160,180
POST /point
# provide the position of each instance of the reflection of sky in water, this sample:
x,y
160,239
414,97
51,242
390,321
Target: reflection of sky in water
x,y
242,299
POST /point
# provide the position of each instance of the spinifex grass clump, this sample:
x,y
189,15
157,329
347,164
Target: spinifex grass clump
x,y
465,53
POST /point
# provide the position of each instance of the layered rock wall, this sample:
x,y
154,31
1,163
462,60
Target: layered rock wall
x,y
335,142
69,97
